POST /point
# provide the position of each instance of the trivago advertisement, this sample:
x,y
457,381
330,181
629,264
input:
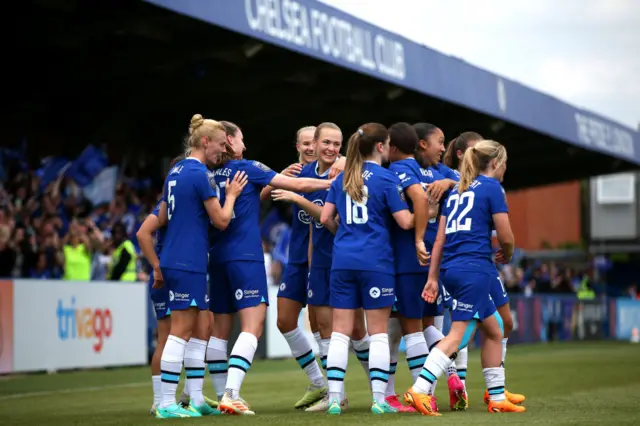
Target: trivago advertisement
x,y
65,325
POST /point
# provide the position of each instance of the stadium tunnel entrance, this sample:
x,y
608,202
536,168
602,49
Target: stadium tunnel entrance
x,y
131,75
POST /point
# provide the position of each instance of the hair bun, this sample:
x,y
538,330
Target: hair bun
x,y
196,121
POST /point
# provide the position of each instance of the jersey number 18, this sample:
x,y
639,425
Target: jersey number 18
x,y
357,211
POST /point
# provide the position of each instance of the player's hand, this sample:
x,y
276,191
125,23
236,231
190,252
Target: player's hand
x,y
430,292
337,168
235,187
283,195
500,258
293,170
436,189
158,281
423,255
338,219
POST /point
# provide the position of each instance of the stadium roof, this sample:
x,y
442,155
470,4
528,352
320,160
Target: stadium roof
x,y
129,72
325,33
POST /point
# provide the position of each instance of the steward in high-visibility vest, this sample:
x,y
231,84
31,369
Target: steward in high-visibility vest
x,y
123,259
584,291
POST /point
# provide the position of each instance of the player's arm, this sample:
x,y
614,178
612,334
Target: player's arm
x,y
420,210
145,235
281,181
221,216
405,219
337,167
310,248
436,252
311,208
439,187
504,234
293,170
328,217
500,216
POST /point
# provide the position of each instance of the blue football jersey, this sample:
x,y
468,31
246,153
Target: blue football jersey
x,y
322,237
186,241
363,240
299,238
470,221
410,173
447,172
241,240
159,237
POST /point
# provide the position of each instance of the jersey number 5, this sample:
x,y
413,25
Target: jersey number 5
x,y
357,212
459,222
171,204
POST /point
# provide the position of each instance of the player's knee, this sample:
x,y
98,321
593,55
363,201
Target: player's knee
x,y
286,323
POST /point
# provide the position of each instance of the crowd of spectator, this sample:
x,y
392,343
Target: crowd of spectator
x,y
54,232
48,231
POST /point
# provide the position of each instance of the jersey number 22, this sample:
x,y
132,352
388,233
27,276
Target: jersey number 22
x,y
457,221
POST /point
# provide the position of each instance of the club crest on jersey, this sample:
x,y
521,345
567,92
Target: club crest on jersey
x,y
401,192
212,179
261,166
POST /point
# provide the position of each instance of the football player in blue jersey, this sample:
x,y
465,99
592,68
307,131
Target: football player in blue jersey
x,y
328,141
456,149
453,158
294,292
190,204
367,198
464,254
153,229
236,268
410,274
428,154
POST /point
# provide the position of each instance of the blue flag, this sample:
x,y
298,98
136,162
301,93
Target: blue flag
x,y
51,169
88,165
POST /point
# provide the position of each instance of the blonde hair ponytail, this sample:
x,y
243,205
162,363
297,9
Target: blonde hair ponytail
x,y
468,170
361,144
477,159
353,181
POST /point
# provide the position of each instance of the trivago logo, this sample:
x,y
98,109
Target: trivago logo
x,y
84,323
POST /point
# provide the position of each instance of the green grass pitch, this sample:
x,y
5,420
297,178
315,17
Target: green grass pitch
x,y
565,384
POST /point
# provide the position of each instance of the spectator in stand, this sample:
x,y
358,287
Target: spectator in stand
x,y
123,261
77,249
42,271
